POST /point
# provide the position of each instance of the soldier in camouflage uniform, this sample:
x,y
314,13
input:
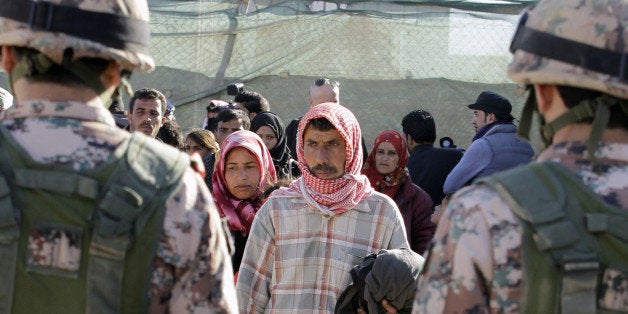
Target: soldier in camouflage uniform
x,y
569,54
63,73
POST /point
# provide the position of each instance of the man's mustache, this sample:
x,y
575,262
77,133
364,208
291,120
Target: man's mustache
x,y
324,167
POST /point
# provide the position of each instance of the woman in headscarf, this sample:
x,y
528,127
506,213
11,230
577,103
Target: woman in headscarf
x,y
270,128
204,144
243,172
386,169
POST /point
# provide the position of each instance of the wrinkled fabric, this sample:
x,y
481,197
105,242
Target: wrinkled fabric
x,y
191,269
341,194
393,277
499,149
475,261
388,184
240,213
387,274
416,208
482,131
281,152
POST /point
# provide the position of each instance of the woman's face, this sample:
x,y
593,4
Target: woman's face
x,y
386,158
268,136
242,173
192,146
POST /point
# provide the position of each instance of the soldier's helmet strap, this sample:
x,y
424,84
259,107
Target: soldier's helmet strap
x,y
597,109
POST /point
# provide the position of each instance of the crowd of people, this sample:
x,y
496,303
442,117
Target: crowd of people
x,y
125,213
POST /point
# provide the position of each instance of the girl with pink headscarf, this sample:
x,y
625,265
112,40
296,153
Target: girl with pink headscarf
x,y
243,172
386,169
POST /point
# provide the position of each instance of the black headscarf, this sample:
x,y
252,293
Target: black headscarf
x,y
280,153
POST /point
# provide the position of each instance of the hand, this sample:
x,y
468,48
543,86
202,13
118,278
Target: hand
x,y
388,307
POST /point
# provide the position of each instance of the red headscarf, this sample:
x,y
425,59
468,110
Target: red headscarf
x,y
240,213
337,195
388,184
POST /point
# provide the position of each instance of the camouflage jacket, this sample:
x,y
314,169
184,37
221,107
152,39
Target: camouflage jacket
x,y
192,270
474,265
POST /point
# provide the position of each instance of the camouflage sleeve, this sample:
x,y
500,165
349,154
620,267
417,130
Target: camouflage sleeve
x,y
192,270
474,265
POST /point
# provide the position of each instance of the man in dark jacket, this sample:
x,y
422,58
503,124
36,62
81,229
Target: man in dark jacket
x,y
428,165
495,146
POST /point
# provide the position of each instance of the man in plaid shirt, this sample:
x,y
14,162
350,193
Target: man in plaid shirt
x,y
306,237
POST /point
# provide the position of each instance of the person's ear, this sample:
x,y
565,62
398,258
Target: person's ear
x,y
8,59
491,118
409,140
111,75
543,94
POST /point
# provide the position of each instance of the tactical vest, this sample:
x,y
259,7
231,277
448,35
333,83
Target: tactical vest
x,y
575,245
83,242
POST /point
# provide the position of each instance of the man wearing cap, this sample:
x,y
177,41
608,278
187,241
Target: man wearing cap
x,y
94,219
495,146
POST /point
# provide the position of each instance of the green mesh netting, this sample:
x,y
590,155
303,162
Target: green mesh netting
x,y
390,57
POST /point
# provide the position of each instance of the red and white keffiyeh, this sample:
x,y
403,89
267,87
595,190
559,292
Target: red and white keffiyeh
x,y
341,194
240,213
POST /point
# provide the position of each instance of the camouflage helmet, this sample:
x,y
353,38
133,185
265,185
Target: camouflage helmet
x,y
117,29
573,43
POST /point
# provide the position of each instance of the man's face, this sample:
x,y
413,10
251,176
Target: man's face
x,y
324,153
480,119
146,116
223,129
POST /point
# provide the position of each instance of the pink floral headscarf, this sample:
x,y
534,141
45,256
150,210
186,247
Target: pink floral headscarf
x,y
341,194
240,213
